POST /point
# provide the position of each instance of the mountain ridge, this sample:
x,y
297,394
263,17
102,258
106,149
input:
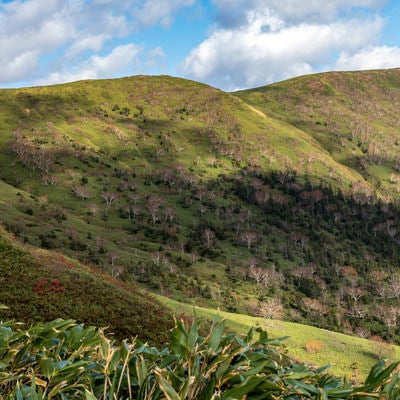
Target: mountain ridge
x,y
190,192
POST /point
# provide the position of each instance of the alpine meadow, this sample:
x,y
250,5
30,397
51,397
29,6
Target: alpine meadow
x,y
132,208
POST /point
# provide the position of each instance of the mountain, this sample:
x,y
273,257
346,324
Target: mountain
x,y
352,115
279,201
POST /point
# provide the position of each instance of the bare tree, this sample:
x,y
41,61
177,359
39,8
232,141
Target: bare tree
x,y
81,191
117,271
272,277
357,311
256,273
389,315
109,198
169,214
394,285
202,209
248,238
208,237
114,257
355,293
49,179
270,309
153,205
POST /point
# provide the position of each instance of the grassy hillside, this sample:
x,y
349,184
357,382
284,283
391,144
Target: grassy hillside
x,y
201,195
352,115
38,285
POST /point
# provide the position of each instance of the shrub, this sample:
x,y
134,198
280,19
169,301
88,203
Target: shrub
x,y
63,360
314,346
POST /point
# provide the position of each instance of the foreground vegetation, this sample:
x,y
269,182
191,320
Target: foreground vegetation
x,y
63,360
347,355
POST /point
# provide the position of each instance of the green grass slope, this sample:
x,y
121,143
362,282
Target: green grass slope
x,y
353,115
149,122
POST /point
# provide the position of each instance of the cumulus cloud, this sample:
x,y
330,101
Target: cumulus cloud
x,y
120,59
232,13
370,58
93,42
266,48
155,11
26,32
39,39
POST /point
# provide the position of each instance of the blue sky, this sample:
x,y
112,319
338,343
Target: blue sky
x,y
229,44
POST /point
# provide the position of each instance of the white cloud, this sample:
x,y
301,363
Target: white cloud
x,y
232,13
154,12
56,35
370,58
20,65
122,58
155,57
266,48
119,59
93,42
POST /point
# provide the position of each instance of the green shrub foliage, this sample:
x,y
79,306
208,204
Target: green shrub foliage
x,y
65,360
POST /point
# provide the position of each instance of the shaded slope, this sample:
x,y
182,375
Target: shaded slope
x,y
39,285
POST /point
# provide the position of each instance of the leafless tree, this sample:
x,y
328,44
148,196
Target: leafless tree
x,y
208,237
355,293
394,285
388,315
154,204
314,307
248,238
256,273
169,214
270,309
49,179
109,198
81,191
357,311
117,270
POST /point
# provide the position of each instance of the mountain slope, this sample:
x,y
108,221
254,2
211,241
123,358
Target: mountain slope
x,y
194,193
353,115
38,285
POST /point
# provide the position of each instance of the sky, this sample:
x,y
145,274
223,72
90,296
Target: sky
x,y
229,44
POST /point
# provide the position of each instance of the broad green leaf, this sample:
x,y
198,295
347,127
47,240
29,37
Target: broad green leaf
x,y
216,336
47,367
89,395
374,372
267,385
249,337
141,370
305,388
167,389
208,391
244,388
222,369
193,335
